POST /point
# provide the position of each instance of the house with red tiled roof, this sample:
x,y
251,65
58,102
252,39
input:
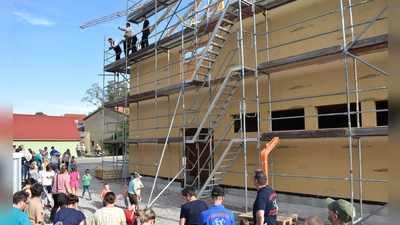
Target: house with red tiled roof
x,y
39,131
77,117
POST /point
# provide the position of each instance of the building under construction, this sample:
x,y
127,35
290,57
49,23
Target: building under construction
x,y
220,79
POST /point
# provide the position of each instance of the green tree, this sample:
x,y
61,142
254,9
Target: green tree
x,y
40,113
123,126
94,95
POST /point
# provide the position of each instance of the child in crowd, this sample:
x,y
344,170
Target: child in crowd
x,y
27,185
35,165
32,173
73,162
40,174
43,196
130,217
47,179
105,190
86,183
74,180
126,198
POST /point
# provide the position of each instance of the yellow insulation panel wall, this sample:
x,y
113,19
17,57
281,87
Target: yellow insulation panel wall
x,y
145,157
310,157
322,158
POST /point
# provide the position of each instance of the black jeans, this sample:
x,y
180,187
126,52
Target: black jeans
x,y
117,53
55,207
145,40
133,43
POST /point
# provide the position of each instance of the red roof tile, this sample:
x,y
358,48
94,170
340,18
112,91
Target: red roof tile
x,y
78,117
36,127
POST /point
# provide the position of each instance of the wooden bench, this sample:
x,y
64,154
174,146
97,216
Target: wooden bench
x,y
283,218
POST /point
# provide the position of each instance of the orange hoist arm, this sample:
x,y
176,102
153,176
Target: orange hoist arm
x,y
265,152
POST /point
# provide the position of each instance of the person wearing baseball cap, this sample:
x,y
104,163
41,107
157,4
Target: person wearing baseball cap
x,y
133,187
217,214
340,211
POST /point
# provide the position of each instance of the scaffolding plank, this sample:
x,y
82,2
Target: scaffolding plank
x,y
320,56
370,131
149,9
300,134
169,90
272,4
145,140
172,41
161,92
297,134
327,133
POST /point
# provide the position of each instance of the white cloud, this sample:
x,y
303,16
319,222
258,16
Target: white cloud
x,y
32,19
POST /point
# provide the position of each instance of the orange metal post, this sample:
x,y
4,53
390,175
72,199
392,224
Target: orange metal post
x,y
265,152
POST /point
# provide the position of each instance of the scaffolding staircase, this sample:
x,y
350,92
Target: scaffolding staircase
x,y
207,61
215,43
219,104
222,166
217,109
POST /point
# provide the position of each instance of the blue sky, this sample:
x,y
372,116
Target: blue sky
x,y
53,60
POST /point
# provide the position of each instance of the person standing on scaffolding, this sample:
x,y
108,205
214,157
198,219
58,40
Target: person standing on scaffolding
x,y
130,39
113,45
145,32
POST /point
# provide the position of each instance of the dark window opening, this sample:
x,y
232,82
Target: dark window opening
x,y
279,123
337,121
382,117
92,143
251,122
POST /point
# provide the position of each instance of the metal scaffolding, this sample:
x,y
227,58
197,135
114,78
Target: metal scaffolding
x,y
201,29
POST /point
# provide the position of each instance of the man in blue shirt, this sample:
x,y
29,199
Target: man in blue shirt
x,y
265,207
217,214
53,151
20,201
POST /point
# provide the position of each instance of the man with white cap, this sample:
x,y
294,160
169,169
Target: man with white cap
x,y
341,212
140,186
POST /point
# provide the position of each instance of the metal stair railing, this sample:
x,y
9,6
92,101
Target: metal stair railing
x,y
217,146
195,107
219,103
227,158
222,166
216,41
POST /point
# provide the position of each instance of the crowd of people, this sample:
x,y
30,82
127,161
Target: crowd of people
x,y
56,188
129,40
265,207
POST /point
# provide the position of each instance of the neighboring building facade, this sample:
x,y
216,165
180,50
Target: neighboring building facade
x,y
77,117
93,125
36,132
